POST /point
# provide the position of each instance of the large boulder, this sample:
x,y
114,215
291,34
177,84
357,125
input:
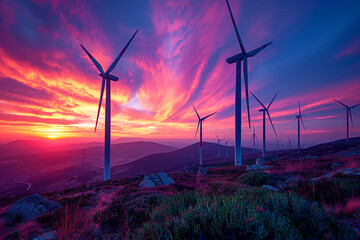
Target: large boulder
x,y
257,166
265,159
157,179
30,207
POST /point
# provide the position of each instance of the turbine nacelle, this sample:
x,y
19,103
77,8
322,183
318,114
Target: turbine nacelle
x,y
235,58
109,76
241,56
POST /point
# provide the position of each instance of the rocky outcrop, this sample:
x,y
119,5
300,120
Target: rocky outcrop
x,y
158,179
257,166
351,152
31,207
269,158
197,170
308,157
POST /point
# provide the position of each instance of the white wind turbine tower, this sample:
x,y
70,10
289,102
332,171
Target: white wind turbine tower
x,y
226,145
254,138
348,113
265,110
243,56
219,140
200,123
299,118
106,77
290,140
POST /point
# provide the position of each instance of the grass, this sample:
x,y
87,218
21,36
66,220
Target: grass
x,y
227,203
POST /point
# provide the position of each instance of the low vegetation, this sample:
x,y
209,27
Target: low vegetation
x,y
227,203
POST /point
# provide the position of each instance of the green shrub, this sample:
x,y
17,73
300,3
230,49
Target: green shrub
x,y
336,190
254,214
257,179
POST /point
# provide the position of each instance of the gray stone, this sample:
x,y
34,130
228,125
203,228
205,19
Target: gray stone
x,y
257,166
197,170
308,157
351,152
271,188
31,207
46,236
158,179
267,159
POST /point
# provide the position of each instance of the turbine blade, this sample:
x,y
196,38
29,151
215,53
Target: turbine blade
x,y
302,123
272,100
252,138
355,105
299,109
97,65
258,100
112,66
352,123
208,116
196,112
271,122
257,50
247,89
257,139
341,103
236,29
101,97
217,137
197,129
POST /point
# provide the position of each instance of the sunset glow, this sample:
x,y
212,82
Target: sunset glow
x,y
50,89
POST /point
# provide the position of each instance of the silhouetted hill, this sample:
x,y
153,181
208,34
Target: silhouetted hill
x,y
177,160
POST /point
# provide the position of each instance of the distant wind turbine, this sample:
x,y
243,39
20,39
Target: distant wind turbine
x,y
265,110
253,138
243,56
200,123
290,140
348,113
226,152
219,140
106,77
277,143
299,118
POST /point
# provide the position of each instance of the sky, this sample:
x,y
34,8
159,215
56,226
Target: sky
x,y
49,88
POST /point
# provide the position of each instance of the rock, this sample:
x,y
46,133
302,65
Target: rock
x,y
46,236
257,166
197,170
308,157
271,188
351,152
267,159
157,179
31,207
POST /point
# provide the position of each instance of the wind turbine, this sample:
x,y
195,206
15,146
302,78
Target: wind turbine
x,y
243,56
299,117
290,140
253,138
219,140
106,77
200,123
277,143
265,110
226,152
348,112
